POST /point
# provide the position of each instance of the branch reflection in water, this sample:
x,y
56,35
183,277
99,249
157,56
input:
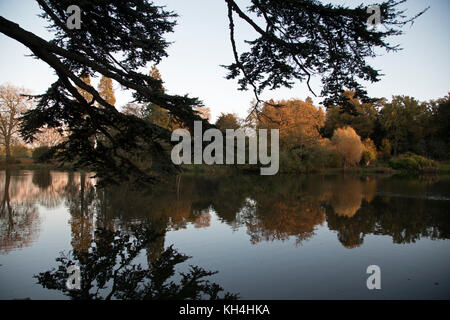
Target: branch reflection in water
x,y
113,225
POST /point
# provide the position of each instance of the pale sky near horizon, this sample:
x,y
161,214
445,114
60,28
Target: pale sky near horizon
x,y
201,44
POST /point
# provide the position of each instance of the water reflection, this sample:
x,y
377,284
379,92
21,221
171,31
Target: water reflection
x,y
19,218
271,209
106,221
108,271
80,197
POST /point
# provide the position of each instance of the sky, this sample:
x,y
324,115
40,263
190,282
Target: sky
x,y
201,45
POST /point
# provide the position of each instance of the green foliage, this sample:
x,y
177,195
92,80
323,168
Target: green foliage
x,y
404,120
413,163
313,159
386,149
362,117
12,160
437,139
19,151
290,163
40,153
444,168
227,121
335,160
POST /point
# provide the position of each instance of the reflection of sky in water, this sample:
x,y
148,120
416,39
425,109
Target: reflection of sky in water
x,y
295,240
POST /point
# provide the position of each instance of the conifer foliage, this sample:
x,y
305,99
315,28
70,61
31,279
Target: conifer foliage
x,y
298,39
116,38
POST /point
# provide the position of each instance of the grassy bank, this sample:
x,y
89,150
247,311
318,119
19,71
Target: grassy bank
x,y
381,167
443,168
28,164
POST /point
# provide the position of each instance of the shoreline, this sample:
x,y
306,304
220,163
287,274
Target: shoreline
x,y
444,169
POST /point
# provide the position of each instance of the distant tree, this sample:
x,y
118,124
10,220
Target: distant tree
x,y
106,90
39,154
404,121
12,105
159,116
348,144
49,137
362,117
386,148
204,112
227,121
369,153
309,100
156,114
299,122
19,151
135,109
438,128
151,111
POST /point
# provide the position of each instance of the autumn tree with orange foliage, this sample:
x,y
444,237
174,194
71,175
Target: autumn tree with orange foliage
x,y
86,95
204,112
106,90
348,144
369,152
299,122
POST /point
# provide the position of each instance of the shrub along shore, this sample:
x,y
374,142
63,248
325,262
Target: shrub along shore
x,y
407,164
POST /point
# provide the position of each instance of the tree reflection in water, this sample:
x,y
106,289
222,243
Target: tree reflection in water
x,y
19,220
108,271
267,208
107,256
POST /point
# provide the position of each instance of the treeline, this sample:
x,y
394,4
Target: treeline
x,y
403,133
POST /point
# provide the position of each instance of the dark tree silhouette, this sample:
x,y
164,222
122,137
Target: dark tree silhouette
x,y
300,39
108,271
116,38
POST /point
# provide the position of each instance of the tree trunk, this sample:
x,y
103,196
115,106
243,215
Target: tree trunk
x,y
7,151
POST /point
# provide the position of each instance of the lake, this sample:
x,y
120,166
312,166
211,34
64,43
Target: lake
x,y
281,237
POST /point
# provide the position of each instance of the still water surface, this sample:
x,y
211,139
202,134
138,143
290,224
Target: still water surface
x,y
279,237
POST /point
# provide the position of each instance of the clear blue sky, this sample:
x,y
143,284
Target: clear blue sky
x,y
201,45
